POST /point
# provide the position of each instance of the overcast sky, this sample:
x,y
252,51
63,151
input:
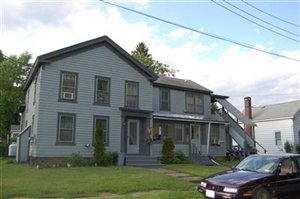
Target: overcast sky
x,y
224,67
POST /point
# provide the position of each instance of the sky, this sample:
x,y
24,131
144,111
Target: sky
x,y
205,40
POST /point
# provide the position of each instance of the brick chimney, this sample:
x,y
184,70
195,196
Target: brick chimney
x,y
248,113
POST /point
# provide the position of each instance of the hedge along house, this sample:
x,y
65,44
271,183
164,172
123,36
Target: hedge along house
x,y
71,90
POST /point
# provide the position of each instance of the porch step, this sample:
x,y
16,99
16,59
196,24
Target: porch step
x,y
142,161
201,159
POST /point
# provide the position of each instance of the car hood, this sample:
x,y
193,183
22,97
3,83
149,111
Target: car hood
x,y
237,178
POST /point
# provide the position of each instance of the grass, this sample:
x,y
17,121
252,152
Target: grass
x,y
125,182
196,169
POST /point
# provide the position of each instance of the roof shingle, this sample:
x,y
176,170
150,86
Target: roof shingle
x,y
276,111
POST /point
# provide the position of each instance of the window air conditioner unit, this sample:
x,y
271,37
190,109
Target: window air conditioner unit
x,y
68,95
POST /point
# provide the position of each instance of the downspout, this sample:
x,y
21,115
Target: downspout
x,y
208,137
151,130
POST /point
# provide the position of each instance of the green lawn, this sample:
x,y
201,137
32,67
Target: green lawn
x,y
124,182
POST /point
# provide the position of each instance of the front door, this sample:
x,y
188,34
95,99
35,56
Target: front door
x,y
133,136
195,137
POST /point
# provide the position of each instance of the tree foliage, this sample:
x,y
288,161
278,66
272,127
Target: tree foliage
x,y
99,148
141,53
13,73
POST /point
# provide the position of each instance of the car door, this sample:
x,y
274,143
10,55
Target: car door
x,y
288,178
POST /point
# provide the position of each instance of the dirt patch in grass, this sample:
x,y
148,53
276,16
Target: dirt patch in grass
x,y
108,195
138,194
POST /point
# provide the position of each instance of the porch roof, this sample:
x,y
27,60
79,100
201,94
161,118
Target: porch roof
x,y
183,117
233,110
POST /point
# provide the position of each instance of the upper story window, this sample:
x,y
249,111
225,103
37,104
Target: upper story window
x,y
66,128
68,86
131,94
164,99
102,91
278,138
194,103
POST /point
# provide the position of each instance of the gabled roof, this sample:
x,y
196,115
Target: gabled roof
x,y
180,84
90,44
286,110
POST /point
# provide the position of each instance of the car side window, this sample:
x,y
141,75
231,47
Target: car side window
x,y
288,166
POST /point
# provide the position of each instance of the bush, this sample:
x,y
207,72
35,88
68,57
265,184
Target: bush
x,y
75,160
180,158
99,148
168,151
298,148
108,159
3,149
288,147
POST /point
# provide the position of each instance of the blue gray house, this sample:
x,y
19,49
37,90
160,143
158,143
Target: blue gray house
x,y
71,90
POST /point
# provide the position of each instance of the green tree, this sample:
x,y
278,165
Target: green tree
x,y
141,53
99,148
13,73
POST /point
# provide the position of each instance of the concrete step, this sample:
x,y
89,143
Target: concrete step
x,y
141,160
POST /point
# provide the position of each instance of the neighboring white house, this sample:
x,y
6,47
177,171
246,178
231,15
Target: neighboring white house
x,y
276,124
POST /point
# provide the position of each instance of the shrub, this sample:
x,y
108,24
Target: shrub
x,y
288,147
180,158
168,151
99,148
298,147
76,160
3,149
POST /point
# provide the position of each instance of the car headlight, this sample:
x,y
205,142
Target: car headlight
x,y
203,184
230,190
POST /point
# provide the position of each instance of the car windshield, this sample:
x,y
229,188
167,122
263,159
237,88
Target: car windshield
x,y
261,164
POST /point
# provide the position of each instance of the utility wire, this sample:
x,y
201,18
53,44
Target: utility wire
x,y
278,33
261,19
270,14
202,32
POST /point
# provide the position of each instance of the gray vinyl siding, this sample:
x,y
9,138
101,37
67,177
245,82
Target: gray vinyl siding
x,y
99,61
31,111
177,102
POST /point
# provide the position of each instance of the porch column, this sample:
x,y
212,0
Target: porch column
x,y
208,138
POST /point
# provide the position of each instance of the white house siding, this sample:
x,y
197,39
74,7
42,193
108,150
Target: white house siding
x,y
265,134
99,61
297,127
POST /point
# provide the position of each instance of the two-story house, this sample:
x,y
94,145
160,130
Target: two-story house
x,y
71,90
276,124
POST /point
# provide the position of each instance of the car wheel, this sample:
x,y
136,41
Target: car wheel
x,y
262,193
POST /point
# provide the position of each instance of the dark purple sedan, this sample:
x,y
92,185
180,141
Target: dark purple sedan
x,y
257,177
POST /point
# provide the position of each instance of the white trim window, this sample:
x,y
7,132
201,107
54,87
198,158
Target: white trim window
x,y
277,138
